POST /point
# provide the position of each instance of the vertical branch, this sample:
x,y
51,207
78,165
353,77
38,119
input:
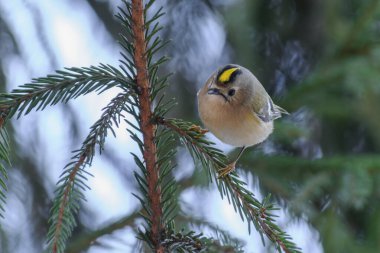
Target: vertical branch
x,y
147,127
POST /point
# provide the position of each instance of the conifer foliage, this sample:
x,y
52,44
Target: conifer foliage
x,y
142,98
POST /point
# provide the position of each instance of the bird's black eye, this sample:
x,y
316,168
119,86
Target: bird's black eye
x,y
231,92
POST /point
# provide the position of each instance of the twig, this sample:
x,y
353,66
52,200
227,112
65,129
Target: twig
x,y
231,186
147,127
63,204
61,225
259,214
84,242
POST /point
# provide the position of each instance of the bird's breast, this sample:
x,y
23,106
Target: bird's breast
x,y
235,125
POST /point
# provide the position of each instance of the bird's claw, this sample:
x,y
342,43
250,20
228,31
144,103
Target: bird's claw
x,y
227,170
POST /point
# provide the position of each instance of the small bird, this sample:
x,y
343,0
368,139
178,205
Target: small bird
x,y
236,108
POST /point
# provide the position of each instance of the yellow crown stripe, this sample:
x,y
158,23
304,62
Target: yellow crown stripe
x,y
225,76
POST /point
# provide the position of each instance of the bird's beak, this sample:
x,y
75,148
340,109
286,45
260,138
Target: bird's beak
x,y
216,91
213,91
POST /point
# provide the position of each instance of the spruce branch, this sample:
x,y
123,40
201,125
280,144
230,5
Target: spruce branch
x,y
72,183
231,186
189,242
183,242
221,236
85,241
154,177
142,98
61,87
4,160
156,184
192,136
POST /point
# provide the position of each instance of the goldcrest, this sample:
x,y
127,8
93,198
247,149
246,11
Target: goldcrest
x,y
236,108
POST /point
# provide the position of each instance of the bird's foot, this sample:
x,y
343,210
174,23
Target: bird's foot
x,y
227,170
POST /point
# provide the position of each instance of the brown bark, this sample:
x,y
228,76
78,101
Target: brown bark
x,y
147,126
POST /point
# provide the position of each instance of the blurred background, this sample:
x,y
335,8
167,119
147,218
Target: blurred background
x,y
320,60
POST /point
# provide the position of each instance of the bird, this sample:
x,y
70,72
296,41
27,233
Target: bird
x,y
237,109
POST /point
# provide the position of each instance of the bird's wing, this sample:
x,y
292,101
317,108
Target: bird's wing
x,y
268,111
